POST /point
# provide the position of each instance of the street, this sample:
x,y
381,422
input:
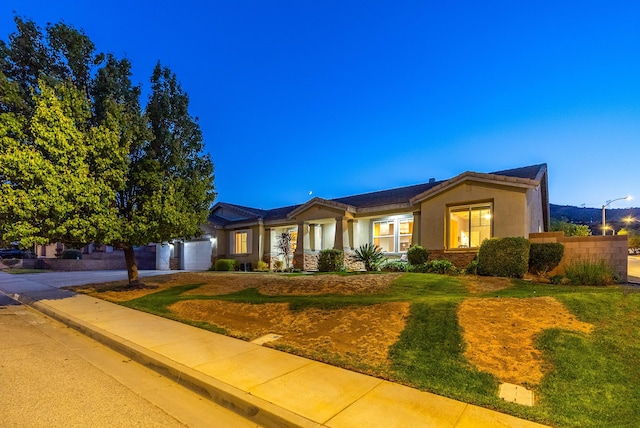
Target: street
x,y
633,269
53,376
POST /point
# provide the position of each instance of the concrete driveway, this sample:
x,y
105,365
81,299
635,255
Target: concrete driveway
x,y
633,269
46,280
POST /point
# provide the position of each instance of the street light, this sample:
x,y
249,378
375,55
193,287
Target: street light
x,y
627,198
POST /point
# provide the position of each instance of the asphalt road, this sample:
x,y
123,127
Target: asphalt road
x,y
53,376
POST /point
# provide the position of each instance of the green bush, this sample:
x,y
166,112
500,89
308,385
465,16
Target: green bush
x,y
330,260
588,272
370,255
507,257
472,269
545,257
262,266
394,266
417,255
225,265
434,266
71,255
556,279
441,267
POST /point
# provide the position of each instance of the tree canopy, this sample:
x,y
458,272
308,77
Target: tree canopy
x,y
81,161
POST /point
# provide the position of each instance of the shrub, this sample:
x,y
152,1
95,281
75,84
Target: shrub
x,y
441,267
545,257
330,260
472,269
225,265
556,279
262,266
394,266
71,255
588,272
435,266
278,265
508,257
417,255
421,268
370,255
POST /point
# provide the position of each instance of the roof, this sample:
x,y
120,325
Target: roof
x,y
525,176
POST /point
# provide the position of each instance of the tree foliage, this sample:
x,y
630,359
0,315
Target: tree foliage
x,y
569,229
81,161
284,248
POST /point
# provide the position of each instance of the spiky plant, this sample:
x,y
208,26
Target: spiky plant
x,y
370,255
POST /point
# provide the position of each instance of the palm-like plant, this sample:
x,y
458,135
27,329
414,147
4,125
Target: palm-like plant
x,y
370,255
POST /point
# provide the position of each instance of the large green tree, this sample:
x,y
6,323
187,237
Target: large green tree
x,y
81,161
58,184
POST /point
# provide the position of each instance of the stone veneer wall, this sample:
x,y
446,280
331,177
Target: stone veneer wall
x,y
612,249
309,262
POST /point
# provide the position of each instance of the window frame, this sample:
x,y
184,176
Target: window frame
x,y
396,235
469,209
247,242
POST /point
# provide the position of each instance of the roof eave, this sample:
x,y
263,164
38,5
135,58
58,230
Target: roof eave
x,y
504,180
321,202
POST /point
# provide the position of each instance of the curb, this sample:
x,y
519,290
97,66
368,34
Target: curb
x,y
244,404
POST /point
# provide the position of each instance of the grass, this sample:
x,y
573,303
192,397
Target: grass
x,y
592,379
21,271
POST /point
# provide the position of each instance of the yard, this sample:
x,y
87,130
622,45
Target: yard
x,y
578,348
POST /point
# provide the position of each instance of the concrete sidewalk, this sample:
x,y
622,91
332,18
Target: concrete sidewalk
x,y
266,386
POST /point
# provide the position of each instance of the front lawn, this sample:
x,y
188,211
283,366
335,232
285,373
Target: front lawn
x,y
578,348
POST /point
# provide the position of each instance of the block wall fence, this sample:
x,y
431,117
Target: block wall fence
x,y
612,249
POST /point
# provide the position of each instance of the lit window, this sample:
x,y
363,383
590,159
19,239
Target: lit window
x,y
241,242
393,236
469,225
294,240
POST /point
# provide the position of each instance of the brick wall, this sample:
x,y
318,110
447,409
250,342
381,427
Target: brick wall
x,y
612,249
460,259
69,265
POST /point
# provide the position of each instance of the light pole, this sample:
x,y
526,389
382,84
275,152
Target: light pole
x,y
627,198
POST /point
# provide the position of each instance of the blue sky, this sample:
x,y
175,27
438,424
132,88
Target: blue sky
x,y
346,97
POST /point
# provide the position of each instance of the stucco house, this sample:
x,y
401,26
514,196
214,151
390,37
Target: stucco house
x,y
450,218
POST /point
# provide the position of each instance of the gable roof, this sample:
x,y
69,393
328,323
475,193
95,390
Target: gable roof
x,y
527,176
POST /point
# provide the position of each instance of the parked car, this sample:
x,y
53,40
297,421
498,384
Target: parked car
x,y
16,253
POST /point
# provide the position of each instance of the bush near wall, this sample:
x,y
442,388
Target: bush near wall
x,y
330,260
225,265
507,257
545,257
71,254
417,255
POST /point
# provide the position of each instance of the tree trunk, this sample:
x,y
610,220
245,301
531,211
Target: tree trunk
x,y
132,266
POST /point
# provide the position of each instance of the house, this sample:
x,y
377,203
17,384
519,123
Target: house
x,y
449,218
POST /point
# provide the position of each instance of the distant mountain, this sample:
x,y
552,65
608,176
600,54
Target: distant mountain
x,y
593,216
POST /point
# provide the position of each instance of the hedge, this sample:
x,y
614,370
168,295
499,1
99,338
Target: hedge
x,y
545,257
330,260
225,265
507,257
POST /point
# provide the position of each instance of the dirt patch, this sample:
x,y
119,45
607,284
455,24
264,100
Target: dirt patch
x,y
499,334
277,285
365,332
485,284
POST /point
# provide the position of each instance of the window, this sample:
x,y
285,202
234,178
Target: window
x,y
393,235
469,225
242,242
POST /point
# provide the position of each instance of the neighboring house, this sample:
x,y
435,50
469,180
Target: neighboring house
x,y
449,218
